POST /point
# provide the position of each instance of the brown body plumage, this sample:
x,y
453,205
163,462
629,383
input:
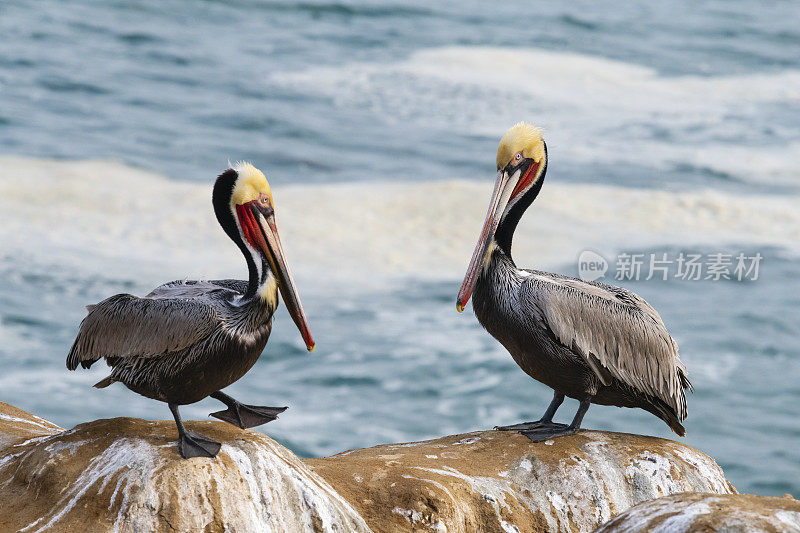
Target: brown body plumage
x,y
186,340
180,343
593,342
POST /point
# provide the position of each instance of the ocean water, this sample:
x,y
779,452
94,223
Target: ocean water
x,y
672,128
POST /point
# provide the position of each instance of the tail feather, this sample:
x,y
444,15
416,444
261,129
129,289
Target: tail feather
x,y
667,414
103,383
76,356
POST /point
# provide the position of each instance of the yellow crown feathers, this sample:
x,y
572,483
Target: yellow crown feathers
x,y
521,137
250,184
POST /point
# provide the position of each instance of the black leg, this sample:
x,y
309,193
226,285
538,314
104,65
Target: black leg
x,y
244,416
545,421
191,444
545,433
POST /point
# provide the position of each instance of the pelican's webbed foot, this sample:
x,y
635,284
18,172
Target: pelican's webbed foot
x,y
526,426
242,415
547,433
553,430
192,444
248,416
544,423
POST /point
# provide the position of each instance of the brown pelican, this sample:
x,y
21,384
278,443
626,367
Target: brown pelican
x,y
589,341
188,339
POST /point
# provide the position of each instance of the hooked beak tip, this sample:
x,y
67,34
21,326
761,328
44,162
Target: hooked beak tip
x,y
459,307
311,347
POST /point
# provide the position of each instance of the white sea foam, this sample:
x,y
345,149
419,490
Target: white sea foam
x,y
106,218
593,108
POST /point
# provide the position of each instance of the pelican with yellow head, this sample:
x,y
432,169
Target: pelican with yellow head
x,y
187,340
589,341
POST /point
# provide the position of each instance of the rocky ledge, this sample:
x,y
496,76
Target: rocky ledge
x,y
500,481
125,475
683,513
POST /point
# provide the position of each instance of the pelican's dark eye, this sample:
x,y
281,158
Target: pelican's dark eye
x,y
519,156
264,200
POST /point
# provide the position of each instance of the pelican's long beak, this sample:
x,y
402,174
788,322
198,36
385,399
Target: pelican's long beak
x,y
270,243
497,206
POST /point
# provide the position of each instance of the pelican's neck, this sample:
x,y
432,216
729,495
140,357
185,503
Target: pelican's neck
x,y
508,224
254,267
261,284
262,287
495,288
497,259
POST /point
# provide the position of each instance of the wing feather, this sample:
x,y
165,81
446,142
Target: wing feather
x,y
618,334
128,326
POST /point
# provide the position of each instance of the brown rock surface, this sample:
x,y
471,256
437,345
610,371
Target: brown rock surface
x,y
708,513
125,474
16,424
500,481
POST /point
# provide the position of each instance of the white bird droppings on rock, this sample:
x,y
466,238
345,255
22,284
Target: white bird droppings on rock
x,y
576,484
126,475
695,511
508,528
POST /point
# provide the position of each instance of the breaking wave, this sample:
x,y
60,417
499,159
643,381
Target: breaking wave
x,y
593,109
100,217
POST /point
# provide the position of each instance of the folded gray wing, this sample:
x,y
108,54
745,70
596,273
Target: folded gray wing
x,y
618,334
237,285
128,326
217,288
